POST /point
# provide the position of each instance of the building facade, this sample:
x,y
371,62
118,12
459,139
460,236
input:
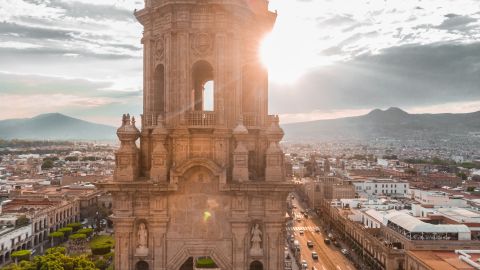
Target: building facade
x,y
387,187
208,180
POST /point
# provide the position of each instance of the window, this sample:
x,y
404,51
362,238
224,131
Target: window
x,y
203,87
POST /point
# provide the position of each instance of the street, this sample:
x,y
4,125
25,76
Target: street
x,y
329,256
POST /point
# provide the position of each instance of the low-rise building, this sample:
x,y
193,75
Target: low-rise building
x,y
388,187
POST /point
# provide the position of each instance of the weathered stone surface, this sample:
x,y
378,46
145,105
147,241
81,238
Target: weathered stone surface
x,y
203,183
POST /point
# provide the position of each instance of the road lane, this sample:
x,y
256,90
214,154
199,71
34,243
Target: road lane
x,y
330,258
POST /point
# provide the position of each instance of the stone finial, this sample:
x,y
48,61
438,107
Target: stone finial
x,y
240,128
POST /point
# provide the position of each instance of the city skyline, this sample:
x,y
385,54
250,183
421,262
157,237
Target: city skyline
x,y
83,58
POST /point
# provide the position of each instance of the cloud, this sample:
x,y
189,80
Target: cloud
x,y
454,22
25,95
404,76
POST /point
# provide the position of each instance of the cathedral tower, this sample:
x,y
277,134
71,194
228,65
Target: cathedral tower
x,y
208,179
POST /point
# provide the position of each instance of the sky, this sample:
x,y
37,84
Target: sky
x,y
326,58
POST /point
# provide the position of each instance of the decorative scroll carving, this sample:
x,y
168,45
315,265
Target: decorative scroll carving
x,y
202,44
159,48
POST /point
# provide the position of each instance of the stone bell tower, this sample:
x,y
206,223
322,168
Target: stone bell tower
x,y
208,179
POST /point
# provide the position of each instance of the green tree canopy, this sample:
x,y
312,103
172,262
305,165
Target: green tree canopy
x,y
56,234
21,255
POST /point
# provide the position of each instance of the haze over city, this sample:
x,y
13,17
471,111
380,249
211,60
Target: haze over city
x,y
240,134
326,59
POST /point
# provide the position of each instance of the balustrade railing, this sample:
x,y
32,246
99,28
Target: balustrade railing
x,y
200,119
250,120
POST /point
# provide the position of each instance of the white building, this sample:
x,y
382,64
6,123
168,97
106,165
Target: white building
x,y
437,198
13,239
389,187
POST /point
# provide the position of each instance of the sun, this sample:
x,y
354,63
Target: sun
x,y
288,55
281,69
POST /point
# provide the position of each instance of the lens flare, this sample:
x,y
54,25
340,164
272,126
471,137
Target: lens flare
x,y
206,216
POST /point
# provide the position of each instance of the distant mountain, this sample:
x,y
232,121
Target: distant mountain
x,y
390,123
54,126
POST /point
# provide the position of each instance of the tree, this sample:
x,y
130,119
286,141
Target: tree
x,y
47,164
21,255
66,230
462,175
71,158
55,235
75,226
22,221
86,231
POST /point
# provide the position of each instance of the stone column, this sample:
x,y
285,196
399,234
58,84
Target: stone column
x,y
239,246
220,82
123,242
182,75
157,237
274,246
159,168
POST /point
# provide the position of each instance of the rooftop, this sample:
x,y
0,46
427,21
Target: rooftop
x,y
415,225
445,260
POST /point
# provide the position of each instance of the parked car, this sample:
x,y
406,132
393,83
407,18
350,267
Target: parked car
x,y
309,244
304,265
335,243
344,251
317,229
326,241
314,255
301,232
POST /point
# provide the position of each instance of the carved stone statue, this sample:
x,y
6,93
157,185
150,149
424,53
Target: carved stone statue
x,y
256,249
142,239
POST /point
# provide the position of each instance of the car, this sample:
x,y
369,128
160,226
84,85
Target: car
x,y
314,255
294,206
304,265
299,220
309,244
317,229
326,241
301,232
344,251
335,243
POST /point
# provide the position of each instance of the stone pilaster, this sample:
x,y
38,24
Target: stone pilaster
x,y
123,242
240,154
127,156
157,237
274,170
240,246
274,246
159,165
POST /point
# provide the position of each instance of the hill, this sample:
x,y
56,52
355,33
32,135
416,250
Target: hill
x,y
390,123
54,126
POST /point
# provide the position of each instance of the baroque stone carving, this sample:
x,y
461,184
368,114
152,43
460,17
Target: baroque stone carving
x,y
142,239
202,44
256,248
159,48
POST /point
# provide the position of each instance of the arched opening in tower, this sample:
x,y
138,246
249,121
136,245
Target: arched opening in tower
x,y
159,93
198,263
256,265
141,265
203,86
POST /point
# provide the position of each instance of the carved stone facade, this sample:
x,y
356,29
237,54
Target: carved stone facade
x,y
203,183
